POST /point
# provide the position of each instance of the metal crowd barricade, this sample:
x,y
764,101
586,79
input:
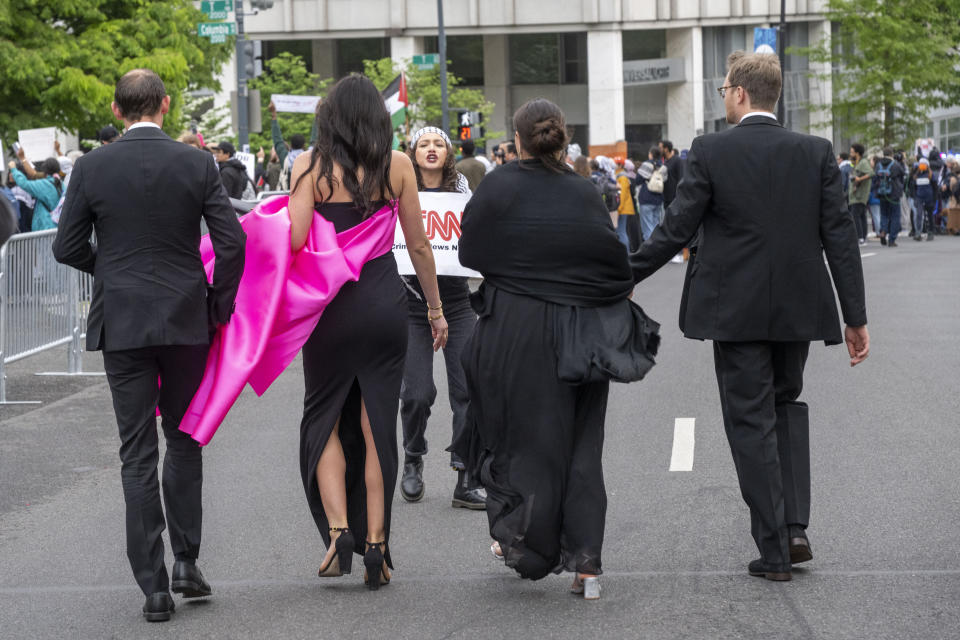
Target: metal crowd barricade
x,y
43,304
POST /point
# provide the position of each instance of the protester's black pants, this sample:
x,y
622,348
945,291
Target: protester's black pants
x,y
768,432
859,212
133,375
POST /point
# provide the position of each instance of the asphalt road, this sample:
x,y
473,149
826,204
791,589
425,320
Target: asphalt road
x,y
885,449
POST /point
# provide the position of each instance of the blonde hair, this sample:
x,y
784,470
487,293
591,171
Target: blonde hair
x,y
758,74
191,139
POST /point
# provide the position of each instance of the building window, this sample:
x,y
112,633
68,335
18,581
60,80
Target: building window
x,y
649,44
718,43
465,54
640,137
950,135
351,52
548,58
302,48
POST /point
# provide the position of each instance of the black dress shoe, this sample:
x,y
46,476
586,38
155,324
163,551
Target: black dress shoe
x,y
469,494
799,545
411,485
158,607
188,581
761,569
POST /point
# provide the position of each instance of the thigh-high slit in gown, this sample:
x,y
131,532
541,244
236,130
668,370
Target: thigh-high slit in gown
x,y
356,351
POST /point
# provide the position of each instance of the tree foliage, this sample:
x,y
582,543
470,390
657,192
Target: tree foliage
x,y
285,74
893,62
423,92
60,59
211,120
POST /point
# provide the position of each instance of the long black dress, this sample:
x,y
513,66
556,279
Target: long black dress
x,y
356,350
545,246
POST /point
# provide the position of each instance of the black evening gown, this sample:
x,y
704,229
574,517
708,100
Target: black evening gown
x,y
549,255
356,351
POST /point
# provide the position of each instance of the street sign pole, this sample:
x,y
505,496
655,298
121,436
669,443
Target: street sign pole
x,y
443,68
781,47
243,114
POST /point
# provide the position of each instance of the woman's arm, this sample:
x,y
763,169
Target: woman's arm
x,y
418,246
30,186
301,202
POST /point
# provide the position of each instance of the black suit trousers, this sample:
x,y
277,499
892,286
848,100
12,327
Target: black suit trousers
x,y
132,375
768,431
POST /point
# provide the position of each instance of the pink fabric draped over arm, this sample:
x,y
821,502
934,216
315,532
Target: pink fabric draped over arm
x,y
281,297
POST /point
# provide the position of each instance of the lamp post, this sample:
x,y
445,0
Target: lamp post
x,y
781,48
442,39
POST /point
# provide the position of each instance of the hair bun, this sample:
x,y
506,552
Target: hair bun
x,y
547,136
542,129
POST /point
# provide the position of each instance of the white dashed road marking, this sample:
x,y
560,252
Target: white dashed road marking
x,y
683,440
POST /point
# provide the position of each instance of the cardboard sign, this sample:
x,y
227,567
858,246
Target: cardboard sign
x,y
249,161
38,143
295,104
442,214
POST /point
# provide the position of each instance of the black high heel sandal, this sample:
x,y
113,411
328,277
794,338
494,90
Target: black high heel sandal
x,y
342,560
373,561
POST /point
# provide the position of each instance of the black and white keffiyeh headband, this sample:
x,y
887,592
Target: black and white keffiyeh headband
x,y
440,132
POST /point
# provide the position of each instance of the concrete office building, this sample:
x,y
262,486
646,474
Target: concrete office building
x,y
634,70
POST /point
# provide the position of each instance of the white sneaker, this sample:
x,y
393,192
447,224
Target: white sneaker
x,y
862,242
677,259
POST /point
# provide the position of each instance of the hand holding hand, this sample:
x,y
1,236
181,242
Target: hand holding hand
x,y
858,343
439,329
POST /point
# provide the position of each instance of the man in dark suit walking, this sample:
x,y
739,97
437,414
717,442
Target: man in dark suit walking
x,y
769,205
151,315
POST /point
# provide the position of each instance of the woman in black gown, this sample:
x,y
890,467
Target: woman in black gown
x,y
353,361
555,327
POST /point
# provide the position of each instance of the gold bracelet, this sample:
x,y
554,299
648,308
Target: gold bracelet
x,y
437,308
436,317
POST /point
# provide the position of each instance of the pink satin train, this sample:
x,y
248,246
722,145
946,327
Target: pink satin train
x,y
281,297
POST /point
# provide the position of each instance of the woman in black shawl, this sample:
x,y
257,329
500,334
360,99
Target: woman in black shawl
x,y
555,327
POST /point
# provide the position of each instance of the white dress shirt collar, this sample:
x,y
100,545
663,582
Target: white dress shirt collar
x,y
143,124
758,113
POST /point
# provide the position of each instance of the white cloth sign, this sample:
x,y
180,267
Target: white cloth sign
x,y
248,160
442,214
295,104
38,143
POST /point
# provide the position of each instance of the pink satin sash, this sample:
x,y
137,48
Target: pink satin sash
x,y
281,297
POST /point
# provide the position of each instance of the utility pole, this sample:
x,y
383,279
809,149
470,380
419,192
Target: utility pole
x,y
443,69
781,48
243,114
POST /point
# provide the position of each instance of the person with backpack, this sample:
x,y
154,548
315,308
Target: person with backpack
x,y
873,203
602,177
923,188
233,173
626,209
651,176
889,178
42,183
843,163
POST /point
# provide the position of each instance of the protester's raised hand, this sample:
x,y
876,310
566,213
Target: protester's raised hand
x,y
272,108
21,154
261,154
858,344
56,147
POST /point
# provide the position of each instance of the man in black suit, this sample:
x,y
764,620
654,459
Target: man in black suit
x,y
151,315
769,204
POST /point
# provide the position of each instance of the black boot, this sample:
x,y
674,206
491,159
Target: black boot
x,y
469,494
411,485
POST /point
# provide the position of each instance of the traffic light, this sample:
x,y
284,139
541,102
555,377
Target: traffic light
x,y
246,58
464,133
261,4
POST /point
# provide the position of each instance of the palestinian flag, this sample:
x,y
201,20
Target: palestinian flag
x,y
395,99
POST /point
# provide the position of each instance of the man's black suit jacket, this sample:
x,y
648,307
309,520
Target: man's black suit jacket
x,y
770,205
145,195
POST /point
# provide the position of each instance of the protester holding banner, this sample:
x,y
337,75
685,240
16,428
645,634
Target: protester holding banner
x,y
434,163
555,327
45,187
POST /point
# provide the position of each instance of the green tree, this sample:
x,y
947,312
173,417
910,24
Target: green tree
x,y
893,62
285,74
211,120
423,92
60,59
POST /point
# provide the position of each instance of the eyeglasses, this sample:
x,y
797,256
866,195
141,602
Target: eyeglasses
x,y
723,90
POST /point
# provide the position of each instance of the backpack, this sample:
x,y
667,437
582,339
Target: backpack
x,y
657,178
609,192
884,179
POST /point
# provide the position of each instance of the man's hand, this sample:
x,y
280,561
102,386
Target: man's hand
x,y
272,108
858,343
260,155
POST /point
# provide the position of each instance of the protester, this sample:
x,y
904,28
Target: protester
x,y
287,154
859,192
9,215
470,167
233,173
192,139
602,175
652,176
873,201
924,189
581,167
552,267
44,186
509,152
889,177
108,134
268,171
353,360
675,168
760,292
432,157
25,204
843,162
626,208
151,315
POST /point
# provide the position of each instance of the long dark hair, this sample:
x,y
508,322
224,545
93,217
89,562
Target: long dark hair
x,y
542,129
354,132
51,169
449,176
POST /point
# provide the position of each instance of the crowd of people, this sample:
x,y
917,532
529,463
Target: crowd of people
x,y
529,355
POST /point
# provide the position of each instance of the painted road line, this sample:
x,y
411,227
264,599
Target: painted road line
x,y
683,440
867,255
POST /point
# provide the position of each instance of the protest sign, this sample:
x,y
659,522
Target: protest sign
x,y
38,143
442,214
248,160
295,104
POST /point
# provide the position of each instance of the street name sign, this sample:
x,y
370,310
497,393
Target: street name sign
x,y
426,60
217,31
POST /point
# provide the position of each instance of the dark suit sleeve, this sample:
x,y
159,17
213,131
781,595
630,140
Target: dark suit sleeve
x,y
72,244
682,219
228,241
839,238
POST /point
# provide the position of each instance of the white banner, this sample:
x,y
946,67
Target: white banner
x,y
442,214
249,161
38,143
295,104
